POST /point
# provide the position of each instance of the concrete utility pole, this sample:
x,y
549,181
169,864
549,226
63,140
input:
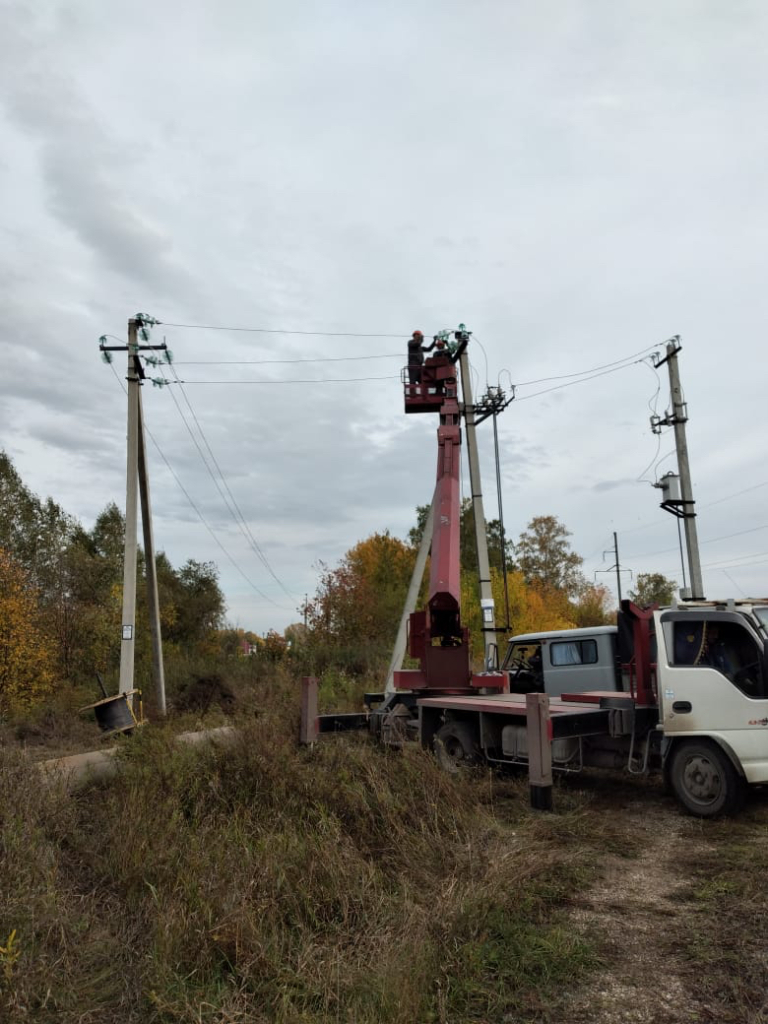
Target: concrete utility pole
x,y
483,565
493,402
127,648
153,599
677,418
137,481
398,652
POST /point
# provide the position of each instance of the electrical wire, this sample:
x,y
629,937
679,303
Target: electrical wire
x,y
731,564
710,540
583,380
736,495
581,373
272,362
733,581
324,380
200,515
709,504
652,403
657,461
734,559
485,356
274,330
229,499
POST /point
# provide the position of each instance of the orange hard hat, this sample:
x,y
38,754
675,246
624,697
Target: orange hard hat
x,y
418,334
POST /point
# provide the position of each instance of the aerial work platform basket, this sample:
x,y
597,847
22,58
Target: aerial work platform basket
x,y
426,387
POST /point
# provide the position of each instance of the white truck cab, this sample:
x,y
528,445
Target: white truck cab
x,y
713,687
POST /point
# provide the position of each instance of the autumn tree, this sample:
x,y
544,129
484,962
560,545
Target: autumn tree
x,y
357,606
544,556
653,588
76,576
592,606
26,674
275,646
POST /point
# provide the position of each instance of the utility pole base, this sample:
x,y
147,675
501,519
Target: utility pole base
x,y
541,798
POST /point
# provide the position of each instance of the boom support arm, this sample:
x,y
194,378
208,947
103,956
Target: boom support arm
x,y
445,574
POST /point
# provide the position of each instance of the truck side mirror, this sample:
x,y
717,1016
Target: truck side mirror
x,y
492,658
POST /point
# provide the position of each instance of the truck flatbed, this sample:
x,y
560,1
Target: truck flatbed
x,y
578,715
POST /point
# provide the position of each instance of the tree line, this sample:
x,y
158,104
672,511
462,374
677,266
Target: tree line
x,y
354,615
61,598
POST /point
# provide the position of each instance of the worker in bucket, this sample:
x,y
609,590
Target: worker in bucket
x,y
416,350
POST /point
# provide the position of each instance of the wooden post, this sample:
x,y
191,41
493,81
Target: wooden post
x,y
539,751
308,731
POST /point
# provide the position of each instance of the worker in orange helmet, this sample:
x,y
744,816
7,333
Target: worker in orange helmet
x,y
416,350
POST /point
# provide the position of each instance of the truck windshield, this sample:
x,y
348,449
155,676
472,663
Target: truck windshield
x,y
762,615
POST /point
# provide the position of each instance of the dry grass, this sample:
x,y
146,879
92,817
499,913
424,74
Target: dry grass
x,y
262,882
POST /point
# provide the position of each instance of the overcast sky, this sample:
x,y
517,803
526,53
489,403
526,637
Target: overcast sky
x,y
575,180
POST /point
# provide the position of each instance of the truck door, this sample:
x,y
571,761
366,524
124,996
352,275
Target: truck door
x,y
713,681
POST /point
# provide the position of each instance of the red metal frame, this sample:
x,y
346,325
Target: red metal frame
x,y
641,670
436,636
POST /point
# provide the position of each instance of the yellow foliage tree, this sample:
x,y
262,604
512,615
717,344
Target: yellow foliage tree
x,y
26,655
533,607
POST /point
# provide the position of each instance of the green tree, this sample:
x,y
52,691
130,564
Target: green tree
x,y
200,603
653,588
468,549
544,556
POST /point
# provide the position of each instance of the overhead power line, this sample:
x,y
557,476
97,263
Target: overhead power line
x,y
228,498
200,515
283,330
272,362
710,540
594,369
324,380
570,383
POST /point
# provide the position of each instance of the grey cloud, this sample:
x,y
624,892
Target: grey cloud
x,y
591,189
81,166
612,485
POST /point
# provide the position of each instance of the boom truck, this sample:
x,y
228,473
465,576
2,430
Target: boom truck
x,y
687,697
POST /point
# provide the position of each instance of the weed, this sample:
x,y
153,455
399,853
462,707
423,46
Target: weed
x,y
9,954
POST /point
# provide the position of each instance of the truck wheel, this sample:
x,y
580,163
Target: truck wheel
x,y
704,780
456,746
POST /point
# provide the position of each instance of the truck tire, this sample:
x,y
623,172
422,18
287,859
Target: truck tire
x,y
456,746
704,779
